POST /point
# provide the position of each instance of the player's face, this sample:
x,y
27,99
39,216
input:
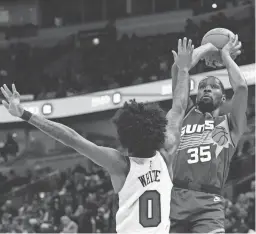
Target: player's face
x,y
210,95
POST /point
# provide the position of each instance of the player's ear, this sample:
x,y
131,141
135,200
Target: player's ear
x,y
223,98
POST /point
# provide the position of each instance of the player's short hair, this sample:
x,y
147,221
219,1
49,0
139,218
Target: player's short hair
x,y
141,127
221,84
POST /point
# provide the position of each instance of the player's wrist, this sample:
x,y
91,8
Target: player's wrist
x,y
26,115
207,47
225,54
174,66
19,111
226,57
184,69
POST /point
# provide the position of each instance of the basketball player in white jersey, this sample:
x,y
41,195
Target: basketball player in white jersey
x,y
141,180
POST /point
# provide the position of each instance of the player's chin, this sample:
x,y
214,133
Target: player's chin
x,y
206,101
206,105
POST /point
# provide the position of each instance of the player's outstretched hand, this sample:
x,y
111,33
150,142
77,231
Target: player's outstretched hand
x,y
12,103
184,57
232,48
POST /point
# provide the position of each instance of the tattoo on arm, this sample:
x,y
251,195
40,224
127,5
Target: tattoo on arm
x,y
58,131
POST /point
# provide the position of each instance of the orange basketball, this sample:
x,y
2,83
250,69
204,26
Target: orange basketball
x,y
220,135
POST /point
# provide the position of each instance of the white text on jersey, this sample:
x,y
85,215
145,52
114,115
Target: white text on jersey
x,y
149,177
189,129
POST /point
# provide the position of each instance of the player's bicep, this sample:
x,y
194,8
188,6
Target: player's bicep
x,y
238,113
108,158
172,143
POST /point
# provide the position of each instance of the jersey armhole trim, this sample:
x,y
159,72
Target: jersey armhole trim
x,y
230,129
189,111
165,160
128,171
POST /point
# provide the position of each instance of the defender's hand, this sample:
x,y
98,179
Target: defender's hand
x,y
12,103
184,57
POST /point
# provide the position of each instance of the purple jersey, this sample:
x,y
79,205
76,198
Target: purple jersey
x,y
205,150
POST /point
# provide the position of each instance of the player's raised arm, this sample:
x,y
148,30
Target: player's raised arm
x,y
108,158
238,83
198,54
180,97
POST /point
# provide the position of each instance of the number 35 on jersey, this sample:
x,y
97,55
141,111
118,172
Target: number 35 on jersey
x,y
199,154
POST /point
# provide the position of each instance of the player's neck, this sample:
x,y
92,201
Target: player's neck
x,y
214,113
142,154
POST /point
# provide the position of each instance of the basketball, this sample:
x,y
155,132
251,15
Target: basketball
x,y
219,37
219,135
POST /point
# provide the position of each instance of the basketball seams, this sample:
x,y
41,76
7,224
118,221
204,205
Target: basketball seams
x,y
215,34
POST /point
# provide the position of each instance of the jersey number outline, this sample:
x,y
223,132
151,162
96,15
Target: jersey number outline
x,y
201,153
150,209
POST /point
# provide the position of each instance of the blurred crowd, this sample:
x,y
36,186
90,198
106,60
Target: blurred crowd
x,y
78,202
240,214
76,66
9,148
85,202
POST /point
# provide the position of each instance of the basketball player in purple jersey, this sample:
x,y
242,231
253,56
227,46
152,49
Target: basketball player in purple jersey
x,y
141,180
207,145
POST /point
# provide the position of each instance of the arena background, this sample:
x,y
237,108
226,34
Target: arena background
x,y
76,62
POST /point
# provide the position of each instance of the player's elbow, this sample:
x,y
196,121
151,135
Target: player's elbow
x,y
172,142
180,107
242,88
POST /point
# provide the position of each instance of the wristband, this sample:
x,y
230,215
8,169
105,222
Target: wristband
x,y
26,115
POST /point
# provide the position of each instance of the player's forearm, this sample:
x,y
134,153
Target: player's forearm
x,y
236,78
55,130
174,73
181,92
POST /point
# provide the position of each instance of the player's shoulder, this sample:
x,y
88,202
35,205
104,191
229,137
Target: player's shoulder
x,y
121,162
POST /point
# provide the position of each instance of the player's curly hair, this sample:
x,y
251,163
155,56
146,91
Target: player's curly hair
x,y
141,127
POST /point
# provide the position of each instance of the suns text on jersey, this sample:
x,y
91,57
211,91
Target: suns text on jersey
x,y
198,128
149,177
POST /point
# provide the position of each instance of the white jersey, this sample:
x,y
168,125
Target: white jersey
x,y
144,200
